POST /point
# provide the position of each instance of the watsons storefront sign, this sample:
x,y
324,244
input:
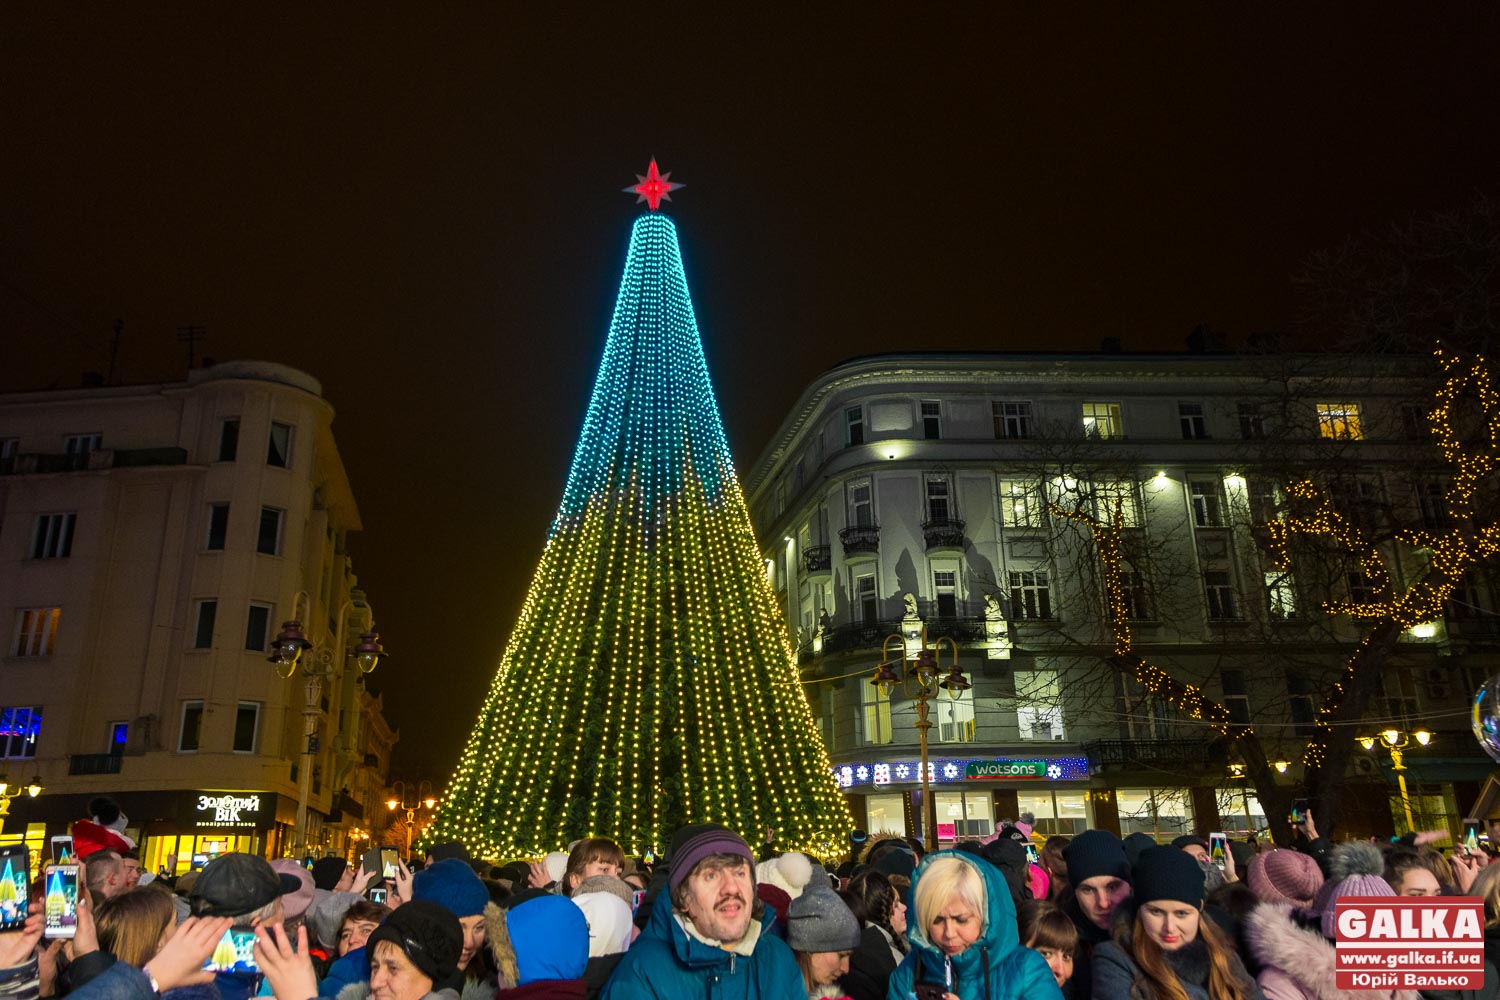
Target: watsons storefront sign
x,y
882,772
1005,769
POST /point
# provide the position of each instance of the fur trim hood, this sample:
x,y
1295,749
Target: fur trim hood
x,y
1300,955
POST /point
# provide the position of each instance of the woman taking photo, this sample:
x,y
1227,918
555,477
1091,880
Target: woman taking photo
x,y
1161,947
964,943
882,942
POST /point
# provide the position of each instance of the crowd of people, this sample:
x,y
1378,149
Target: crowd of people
x,y
1013,916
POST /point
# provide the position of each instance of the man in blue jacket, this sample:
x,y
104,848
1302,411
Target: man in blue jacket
x,y
710,941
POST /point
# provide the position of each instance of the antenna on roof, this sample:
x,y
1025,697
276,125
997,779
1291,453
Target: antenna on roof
x,y
114,351
190,335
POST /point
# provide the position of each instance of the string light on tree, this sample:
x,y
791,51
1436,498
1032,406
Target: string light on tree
x,y
649,680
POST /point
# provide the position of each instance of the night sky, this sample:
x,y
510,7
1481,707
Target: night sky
x,y
423,210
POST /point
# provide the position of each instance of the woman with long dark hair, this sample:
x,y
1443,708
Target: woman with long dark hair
x,y
882,942
1162,947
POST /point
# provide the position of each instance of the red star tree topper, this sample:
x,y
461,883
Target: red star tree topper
x,y
654,188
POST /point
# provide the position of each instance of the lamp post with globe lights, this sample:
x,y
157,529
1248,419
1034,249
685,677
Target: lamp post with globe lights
x,y
1396,741
404,797
287,654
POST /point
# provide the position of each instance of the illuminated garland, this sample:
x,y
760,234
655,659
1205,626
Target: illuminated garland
x,y
1162,685
649,680
1452,552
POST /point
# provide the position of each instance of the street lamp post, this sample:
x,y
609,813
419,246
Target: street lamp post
x,y
31,789
428,801
1396,741
291,643
919,679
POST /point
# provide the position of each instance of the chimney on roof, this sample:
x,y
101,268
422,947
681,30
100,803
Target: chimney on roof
x,y
1110,345
1204,340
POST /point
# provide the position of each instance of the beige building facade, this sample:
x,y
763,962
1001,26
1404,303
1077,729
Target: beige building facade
x,y
153,539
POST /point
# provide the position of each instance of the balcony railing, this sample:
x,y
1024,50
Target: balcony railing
x,y
943,533
1152,752
94,763
99,458
861,540
818,558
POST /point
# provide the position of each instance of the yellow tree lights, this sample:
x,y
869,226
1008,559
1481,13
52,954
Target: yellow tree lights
x,y
649,681
1470,445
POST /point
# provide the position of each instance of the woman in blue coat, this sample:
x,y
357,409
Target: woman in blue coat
x,y
964,941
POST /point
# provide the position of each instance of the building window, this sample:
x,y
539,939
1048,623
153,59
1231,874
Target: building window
x,y
1102,420
19,729
53,536
1415,425
1281,595
939,499
854,425
932,419
257,625
268,540
865,600
1236,696
1252,421
246,723
1463,600
36,631
1030,595
886,812
203,631
1112,496
218,526
78,447
1162,813
970,813
229,439
861,510
1021,504
189,736
956,718
1012,419
1300,705
279,446
1399,694
119,737
945,588
1133,594
1265,500
1220,594
1194,422
1361,588
1208,502
8,449
1339,421
1039,714
877,712
1432,504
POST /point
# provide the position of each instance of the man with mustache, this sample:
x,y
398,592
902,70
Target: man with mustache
x,y
713,940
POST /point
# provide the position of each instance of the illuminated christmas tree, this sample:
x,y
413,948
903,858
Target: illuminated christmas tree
x,y
649,681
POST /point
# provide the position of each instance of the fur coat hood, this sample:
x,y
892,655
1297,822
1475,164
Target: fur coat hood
x,y
1298,959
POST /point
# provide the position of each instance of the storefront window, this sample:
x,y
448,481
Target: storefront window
x,y
1063,813
970,813
886,812
1240,813
1163,813
183,854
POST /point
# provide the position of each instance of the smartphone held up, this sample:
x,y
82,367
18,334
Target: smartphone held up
x,y
61,900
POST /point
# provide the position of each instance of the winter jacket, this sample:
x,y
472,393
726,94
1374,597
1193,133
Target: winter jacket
x,y
1115,972
598,971
361,991
1090,936
667,962
870,966
237,985
994,967
1297,960
546,989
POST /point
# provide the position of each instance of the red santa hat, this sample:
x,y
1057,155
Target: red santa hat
x,y
105,830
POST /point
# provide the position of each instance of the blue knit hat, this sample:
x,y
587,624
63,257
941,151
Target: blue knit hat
x,y
451,884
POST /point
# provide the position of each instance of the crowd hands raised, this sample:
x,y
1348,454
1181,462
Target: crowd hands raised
x,y
1087,916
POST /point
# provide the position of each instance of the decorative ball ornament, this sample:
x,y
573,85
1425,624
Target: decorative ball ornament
x,y
1485,718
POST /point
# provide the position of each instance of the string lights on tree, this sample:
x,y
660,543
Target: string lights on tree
x,y
649,680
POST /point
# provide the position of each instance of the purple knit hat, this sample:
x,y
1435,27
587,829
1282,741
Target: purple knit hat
x,y
1284,876
1354,869
692,844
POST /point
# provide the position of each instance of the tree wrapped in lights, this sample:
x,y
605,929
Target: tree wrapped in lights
x,y
649,681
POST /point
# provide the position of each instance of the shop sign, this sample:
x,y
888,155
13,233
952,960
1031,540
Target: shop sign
x,y
221,809
1005,769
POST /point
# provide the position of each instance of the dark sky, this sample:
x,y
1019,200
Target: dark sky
x,y
422,209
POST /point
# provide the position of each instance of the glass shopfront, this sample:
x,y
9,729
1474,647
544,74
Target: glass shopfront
x,y
1164,813
1055,811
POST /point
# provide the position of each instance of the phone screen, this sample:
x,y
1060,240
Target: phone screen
x,y
378,895
62,850
1299,811
14,874
1218,847
1471,835
1031,855
388,857
61,900
234,952
635,899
